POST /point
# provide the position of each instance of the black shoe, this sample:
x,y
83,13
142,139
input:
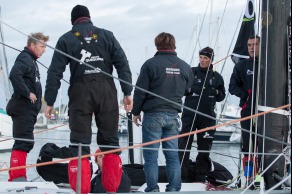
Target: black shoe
x,y
151,190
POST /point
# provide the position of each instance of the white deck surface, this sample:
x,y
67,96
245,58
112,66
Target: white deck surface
x,y
185,187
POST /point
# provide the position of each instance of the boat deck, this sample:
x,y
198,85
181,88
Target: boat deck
x,y
51,188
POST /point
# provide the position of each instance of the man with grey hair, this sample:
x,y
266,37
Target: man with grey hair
x,y
26,101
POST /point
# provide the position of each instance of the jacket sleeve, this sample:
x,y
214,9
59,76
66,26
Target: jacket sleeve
x,y
190,81
17,73
235,84
121,64
221,90
140,96
55,73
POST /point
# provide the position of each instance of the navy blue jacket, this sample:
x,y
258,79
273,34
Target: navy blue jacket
x,y
241,80
213,91
25,76
70,44
165,75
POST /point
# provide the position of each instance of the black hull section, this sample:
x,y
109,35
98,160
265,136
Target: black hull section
x,y
273,84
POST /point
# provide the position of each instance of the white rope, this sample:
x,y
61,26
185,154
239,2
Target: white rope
x,y
253,110
265,99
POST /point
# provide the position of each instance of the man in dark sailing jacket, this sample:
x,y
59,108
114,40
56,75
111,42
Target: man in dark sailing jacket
x,y
243,83
91,92
168,76
207,89
26,101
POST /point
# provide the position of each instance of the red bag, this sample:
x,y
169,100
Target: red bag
x,y
111,172
18,158
85,175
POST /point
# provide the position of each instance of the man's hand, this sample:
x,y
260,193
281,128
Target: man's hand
x,y
136,119
128,103
48,112
32,97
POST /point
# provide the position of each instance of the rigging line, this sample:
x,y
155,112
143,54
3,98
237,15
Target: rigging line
x,y
254,104
36,132
43,64
110,75
215,44
139,88
192,38
147,143
265,78
239,22
200,97
36,60
230,123
214,152
280,183
288,36
257,96
222,153
204,83
262,173
197,40
226,124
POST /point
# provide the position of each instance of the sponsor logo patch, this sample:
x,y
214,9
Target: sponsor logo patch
x,y
73,169
249,72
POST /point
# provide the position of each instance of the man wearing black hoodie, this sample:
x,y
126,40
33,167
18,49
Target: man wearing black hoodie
x,y
26,101
207,89
91,92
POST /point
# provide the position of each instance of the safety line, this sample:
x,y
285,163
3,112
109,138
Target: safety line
x,y
147,143
36,132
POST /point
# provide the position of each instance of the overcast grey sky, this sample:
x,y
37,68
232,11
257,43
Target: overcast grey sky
x,y
135,23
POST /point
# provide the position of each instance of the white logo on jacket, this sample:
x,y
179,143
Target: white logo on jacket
x,y
86,57
249,72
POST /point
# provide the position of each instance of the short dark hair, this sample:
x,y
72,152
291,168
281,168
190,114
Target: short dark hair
x,y
165,41
255,37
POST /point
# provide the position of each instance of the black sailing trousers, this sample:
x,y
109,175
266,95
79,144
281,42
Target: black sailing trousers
x,y
93,95
204,142
24,116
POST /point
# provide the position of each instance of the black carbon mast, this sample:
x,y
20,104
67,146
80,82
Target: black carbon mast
x,y
274,88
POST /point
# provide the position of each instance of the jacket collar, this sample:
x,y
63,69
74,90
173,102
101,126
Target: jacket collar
x,y
205,69
165,52
33,54
82,20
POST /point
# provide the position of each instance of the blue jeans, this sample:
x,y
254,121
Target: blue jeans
x,y
156,126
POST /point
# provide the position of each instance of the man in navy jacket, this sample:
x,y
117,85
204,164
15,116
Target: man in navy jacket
x,y
168,76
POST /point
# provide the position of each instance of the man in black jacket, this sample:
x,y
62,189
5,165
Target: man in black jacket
x,y
243,83
90,92
26,101
207,89
168,76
